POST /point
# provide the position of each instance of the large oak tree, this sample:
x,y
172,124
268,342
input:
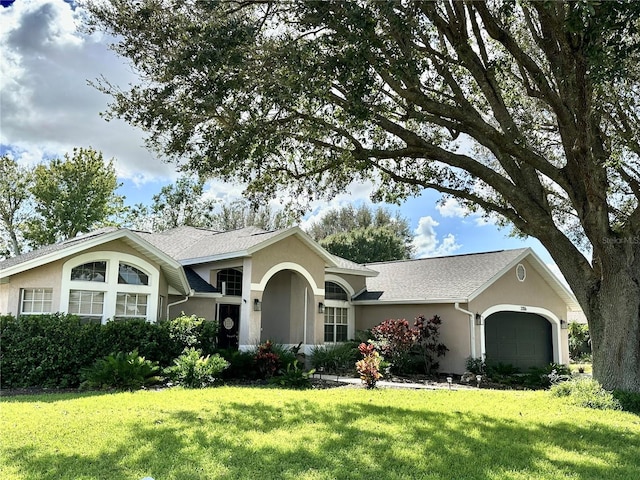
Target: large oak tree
x,y
303,98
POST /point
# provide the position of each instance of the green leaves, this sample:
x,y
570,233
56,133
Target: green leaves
x,y
72,196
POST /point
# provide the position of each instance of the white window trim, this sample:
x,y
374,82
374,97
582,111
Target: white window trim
x,y
110,286
21,306
351,326
349,309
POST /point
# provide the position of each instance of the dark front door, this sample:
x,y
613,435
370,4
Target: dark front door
x,y
229,318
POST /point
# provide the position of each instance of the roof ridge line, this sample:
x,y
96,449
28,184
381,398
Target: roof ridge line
x,y
448,256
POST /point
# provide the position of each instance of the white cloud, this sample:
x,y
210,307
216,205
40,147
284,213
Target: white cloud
x,y
426,241
358,193
47,106
451,208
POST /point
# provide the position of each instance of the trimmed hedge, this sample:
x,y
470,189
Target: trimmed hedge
x,y
50,350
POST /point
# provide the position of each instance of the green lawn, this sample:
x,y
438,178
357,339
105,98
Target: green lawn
x,y
244,433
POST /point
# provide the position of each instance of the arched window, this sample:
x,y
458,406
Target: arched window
x,y
90,272
337,313
130,275
333,291
232,280
99,286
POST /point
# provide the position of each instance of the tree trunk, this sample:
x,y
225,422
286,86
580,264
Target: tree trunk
x,y
613,314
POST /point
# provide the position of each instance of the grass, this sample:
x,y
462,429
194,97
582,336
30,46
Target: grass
x,y
248,433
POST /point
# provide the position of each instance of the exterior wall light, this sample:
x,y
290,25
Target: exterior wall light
x,y
564,324
320,307
478,319
257,305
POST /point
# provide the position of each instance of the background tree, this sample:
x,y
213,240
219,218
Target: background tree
x,y
241,213
15,182
177,204
301,99
72,196
351,225
367,245
185,203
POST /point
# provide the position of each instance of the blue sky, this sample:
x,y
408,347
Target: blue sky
x,y
47,108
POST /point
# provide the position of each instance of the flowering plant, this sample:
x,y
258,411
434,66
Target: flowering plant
x,y
369,367
267,361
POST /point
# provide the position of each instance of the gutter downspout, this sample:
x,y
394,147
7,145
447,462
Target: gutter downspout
x,y
472,327
169,305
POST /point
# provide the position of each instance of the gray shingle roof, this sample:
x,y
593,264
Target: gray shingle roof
x,y
56,247
444,278
197,283
189,243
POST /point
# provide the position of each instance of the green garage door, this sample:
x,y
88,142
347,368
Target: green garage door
x,y
521,339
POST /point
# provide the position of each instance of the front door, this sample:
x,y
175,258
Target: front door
x,y
229,320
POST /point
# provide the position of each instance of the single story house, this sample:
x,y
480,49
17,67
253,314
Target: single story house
x,y
283,286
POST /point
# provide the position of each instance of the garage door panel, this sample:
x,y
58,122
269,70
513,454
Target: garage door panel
x,y
521,339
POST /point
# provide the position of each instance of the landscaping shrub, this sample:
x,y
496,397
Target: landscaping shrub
x,y
544,377
51,350
241,364
629,401
586,392
122,371
337,358
46,350
369,367
151,340
428,345
286,355
293,377
475,365
267,361
192,370
190,331
410,349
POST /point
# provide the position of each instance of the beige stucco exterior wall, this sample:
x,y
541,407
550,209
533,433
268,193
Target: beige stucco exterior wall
x,y
534,291
289,250
454,331
46,276
357,282
201,307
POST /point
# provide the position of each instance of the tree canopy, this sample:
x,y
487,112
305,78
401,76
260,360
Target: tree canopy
x,y
528,109
72,196
15,184
363,234
185,203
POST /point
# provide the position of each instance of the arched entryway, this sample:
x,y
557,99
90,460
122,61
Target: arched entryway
x,y
522,339
287,315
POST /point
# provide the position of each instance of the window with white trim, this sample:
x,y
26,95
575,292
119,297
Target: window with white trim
x,y
131,305
337,313
336,322
130,275
36,301
86,304
232,280
98,286
90,272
